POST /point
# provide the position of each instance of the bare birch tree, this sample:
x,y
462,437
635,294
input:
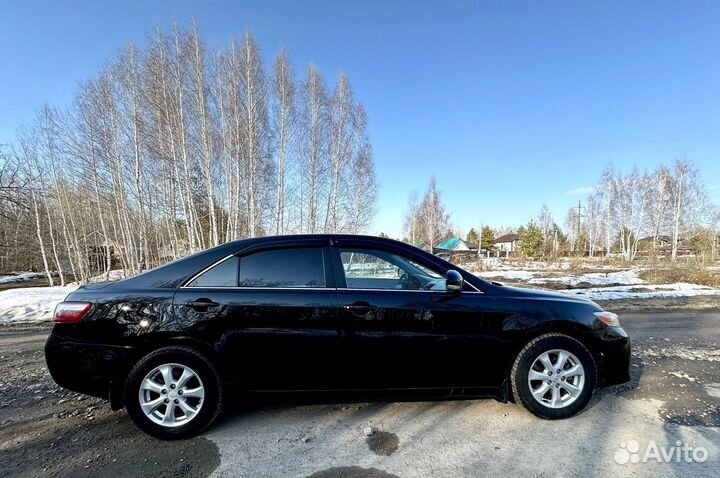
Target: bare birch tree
x,y
313,148
284,115
172,148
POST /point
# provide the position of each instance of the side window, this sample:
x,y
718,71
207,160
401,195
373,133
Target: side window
x,y
301,267
222,275
371,269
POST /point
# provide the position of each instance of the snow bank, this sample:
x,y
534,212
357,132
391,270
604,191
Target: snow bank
x,y
36,304
23,277
31,304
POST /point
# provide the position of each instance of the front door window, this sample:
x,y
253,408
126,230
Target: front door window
x,y
371,269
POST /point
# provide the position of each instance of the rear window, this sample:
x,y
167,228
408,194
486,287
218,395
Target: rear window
x,y
301,267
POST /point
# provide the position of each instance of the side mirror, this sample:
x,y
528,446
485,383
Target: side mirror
x,y
454,282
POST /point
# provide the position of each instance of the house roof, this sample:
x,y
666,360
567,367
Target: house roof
x,y
507,238
448,244
660,238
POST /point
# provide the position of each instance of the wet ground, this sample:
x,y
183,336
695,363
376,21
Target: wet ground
x,y
674,396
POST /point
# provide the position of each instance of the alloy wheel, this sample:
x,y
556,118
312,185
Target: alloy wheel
x,y
171,395
556,378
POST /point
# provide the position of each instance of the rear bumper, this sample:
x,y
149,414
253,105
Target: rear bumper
x,y
615,357
86,367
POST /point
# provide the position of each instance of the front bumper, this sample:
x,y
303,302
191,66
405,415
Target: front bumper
x,y
614,357
87,367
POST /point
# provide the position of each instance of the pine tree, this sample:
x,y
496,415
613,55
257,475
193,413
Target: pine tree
x,y
487,239
472,236
531,240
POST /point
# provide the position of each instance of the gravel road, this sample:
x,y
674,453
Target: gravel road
x,y
674,396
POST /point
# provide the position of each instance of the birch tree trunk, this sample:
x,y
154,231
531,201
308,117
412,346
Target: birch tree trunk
x,y
36,211
284,116
200,90
314,142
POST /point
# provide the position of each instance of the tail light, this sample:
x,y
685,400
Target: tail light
x,y
71,312
608,318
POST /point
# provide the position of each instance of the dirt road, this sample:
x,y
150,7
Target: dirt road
x,y
674,396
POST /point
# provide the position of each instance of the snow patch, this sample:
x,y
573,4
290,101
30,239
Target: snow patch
x,y
112,276
502,264
629,277
509,275
617,285
499,264
682,375
645,291
683,352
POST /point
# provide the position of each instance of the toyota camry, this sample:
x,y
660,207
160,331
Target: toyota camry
x,y
326,313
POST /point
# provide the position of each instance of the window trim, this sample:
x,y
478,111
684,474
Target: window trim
x,y
334,272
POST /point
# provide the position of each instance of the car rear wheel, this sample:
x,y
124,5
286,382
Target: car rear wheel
x,y
173,393
554,376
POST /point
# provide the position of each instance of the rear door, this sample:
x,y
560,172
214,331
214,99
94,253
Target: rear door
x,y
275,320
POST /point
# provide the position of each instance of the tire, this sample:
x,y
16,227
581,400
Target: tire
x,y
556,396
191,402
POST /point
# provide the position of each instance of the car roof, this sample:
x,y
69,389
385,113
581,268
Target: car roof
x,y
173,274
299,237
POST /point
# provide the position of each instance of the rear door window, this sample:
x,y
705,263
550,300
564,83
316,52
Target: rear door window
x,y
297,267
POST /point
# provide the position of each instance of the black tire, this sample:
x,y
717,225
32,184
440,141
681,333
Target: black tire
x,y
205,370
524,361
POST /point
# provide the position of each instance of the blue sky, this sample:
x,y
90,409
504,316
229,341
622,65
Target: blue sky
x,y
509,104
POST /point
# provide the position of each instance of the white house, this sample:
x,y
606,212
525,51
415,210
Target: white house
x,y
507,244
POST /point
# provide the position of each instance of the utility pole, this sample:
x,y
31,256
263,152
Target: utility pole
x,y
480,240
579,218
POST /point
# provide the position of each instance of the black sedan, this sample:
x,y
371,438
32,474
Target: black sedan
x,y
326,313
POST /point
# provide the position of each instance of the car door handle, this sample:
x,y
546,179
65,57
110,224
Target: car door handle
x,y
201,304
359,308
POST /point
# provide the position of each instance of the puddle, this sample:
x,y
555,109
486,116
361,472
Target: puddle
x,y
352,472
383,443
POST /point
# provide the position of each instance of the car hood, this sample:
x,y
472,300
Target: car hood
x,y
523,293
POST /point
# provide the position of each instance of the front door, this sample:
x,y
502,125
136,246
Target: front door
x,y
404,330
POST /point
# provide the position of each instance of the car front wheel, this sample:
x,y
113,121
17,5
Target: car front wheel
x,y
173,393
554,376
